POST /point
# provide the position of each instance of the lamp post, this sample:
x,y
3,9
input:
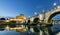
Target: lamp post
x,y
35,13
55,4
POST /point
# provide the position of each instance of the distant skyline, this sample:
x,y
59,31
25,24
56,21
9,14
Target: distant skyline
x,y
12,8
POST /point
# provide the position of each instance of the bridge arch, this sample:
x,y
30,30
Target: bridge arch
x,y
36,19
52,15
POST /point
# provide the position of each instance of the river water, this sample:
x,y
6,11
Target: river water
x,y
55,29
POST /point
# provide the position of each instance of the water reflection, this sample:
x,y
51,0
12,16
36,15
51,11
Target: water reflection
x,y
6,28
4,31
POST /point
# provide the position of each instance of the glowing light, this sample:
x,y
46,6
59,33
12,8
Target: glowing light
x,y
55,4
58,7
7,27
7,21
20,29
35,13
29,16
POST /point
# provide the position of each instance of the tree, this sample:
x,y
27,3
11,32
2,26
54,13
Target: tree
x,y
12,24
2,18
2,27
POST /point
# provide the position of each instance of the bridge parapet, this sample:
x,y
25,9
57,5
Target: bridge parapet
x,y
47,15
50,14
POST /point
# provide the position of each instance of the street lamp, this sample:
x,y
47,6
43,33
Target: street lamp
x,y
28,16
35,13
55,4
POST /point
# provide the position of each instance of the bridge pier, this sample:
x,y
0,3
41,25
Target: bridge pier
x,y
46,29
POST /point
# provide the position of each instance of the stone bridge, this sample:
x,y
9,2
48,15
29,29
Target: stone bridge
x,y
46,17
